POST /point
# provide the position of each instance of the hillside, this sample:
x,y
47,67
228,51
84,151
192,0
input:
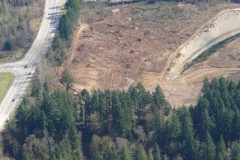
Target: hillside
x,y
19,24
116,46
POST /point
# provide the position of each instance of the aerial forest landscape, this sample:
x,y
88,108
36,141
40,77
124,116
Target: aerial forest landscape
x,y
119,80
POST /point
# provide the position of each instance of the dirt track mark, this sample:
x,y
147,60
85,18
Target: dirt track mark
x,y
75,43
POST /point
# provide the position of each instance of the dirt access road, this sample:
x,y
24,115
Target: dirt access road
x,y
117,46
222,26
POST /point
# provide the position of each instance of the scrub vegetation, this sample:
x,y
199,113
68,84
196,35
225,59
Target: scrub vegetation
x,y
19,23
6,80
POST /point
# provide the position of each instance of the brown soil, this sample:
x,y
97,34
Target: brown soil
x,y
224,62
117,46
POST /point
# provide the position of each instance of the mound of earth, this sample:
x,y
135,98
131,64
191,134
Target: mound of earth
x,y
117,46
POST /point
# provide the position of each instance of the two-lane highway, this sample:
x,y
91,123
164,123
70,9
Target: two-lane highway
x,y
24,68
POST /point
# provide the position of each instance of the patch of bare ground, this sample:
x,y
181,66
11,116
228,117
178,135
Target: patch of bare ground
x,y
117,46
225,62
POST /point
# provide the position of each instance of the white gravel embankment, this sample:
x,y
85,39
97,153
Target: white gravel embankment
x,y
222,26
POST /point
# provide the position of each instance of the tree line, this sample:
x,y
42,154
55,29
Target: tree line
x,y
63,38
132,124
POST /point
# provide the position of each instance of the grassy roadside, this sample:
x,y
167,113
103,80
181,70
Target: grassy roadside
x,y
6,80
206,54
13,56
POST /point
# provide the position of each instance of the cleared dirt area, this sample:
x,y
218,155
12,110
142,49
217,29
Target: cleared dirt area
x,y
213,33
117,46
225,62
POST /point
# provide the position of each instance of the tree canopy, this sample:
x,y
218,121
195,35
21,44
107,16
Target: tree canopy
x,y
128,124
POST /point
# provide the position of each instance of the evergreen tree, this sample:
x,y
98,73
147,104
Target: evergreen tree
x,y
57,152
206,84
154,109
238,85
97,156
232,88
205,124
67,78
57,42
65,27
215,108
22,121
74,138
209,148
156,152
122,115
53,157
149,156
159,129
125,154
135,97
235,152
102,109
173,134
221,149
116,107
159,98
222,85
26,156
94,102
81,108
191,148
214,84
110,154
173,128
237,98
141,153
144,96
43,121
86,101
226,99
225,124
236,125
34,118
108,100
221,106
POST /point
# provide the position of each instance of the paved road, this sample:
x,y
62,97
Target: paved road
x,y
24,68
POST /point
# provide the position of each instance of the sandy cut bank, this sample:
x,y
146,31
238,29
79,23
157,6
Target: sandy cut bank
x,y
219,28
